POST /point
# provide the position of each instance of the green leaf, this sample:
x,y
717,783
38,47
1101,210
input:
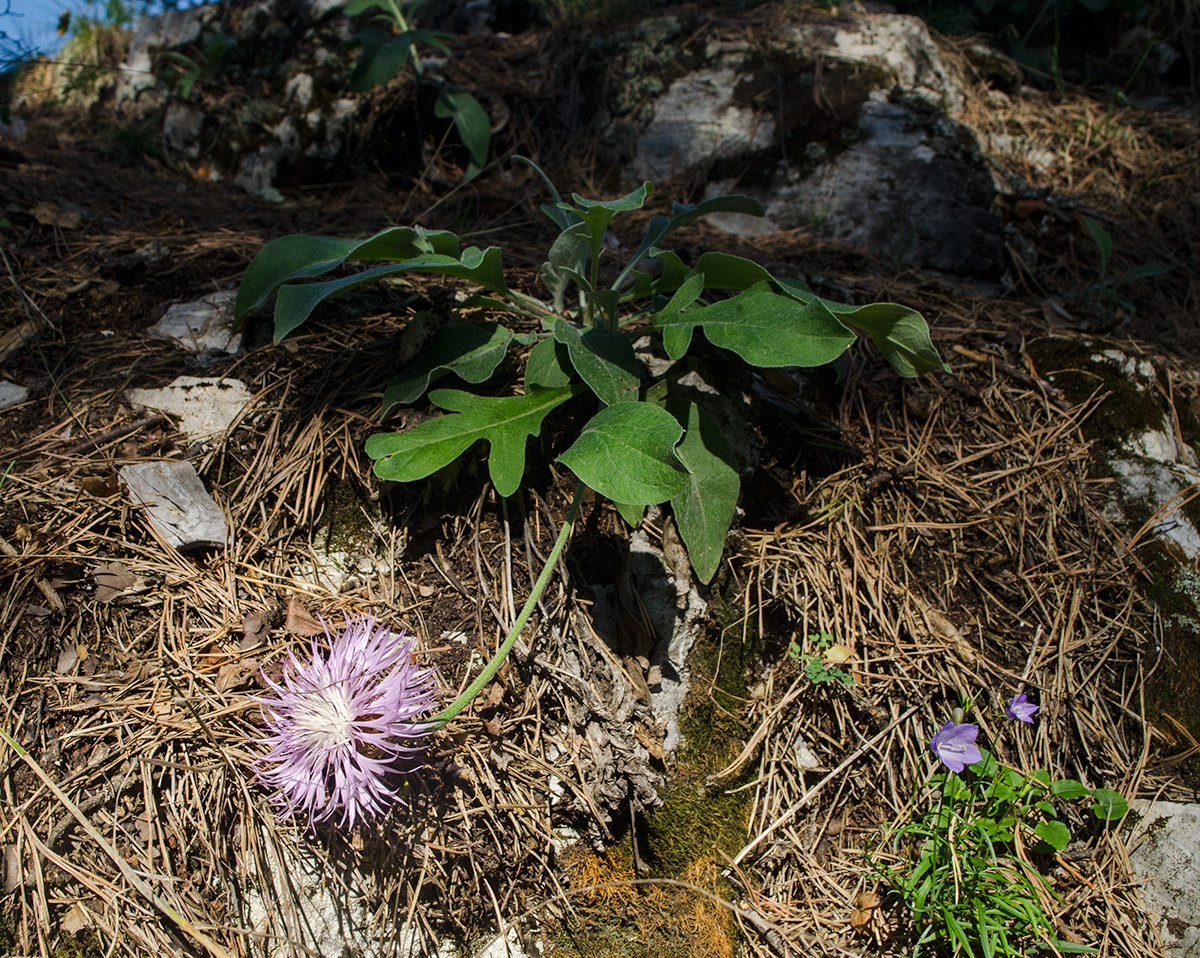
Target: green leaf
x,y
562,218
1102,240
898,332
1109,805
630,201
505,422
704,510
1054,834
626,453
471,351
295,304
765,328
604,359
682,214
383,55
1069,788
470,120
569,253
631,514
1144,271
549,365
299,257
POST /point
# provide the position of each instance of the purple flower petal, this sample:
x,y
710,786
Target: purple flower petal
x,y
1020,709
340,724
954,745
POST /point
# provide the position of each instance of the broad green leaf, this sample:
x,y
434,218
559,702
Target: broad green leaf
x,y
765,328
549,365
1054,834
725,271
298,257
295,304
569,251
704,510
471,351
687,294
631,514
470,120
1109,805
1069,788
605,360
898,332
626,453
385,53
506,423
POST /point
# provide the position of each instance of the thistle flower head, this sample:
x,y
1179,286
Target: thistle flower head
x,y
955,747
339,725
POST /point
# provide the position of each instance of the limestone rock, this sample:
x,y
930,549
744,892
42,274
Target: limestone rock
x,y
206,407
177,505
203,325
1166,856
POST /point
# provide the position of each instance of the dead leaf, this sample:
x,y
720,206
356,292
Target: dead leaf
x,y
50,214
102,487
838,654
492,696
864,907
255,627
75,920
300,621
232,674
67,659
112,580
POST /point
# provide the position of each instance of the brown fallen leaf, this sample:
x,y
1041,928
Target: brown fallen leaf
x,y
50,214
300,621
112,580
255,627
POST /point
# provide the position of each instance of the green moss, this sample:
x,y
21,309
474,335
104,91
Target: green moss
x,y
1079,370
697,817
1173,689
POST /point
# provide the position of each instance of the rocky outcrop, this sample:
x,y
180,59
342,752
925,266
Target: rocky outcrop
x,y
843,124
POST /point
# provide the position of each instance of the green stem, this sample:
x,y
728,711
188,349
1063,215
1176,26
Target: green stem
x,y
460,703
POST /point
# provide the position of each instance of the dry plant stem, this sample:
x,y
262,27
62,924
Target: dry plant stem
x,y
465,699
123,866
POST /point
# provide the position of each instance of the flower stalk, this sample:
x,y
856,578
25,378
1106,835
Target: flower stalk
x,y
469,693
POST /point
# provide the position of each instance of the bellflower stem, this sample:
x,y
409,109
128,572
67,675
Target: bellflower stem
x,y
460,703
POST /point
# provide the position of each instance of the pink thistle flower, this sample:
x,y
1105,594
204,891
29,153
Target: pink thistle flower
x,y
341,724
955,747
1021,709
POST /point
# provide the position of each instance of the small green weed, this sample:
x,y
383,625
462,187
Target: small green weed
x,y
816,665
1104,291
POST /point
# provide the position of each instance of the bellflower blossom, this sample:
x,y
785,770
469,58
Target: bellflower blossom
x,y
1021,709
955,747
339,725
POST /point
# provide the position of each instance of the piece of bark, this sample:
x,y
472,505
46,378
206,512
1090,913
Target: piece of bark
x,y
178,506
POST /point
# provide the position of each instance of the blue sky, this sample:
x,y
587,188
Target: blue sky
x,y
37,20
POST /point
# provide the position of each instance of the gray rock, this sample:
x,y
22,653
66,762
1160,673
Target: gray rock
x,y
841,123
1165,856
11,394
203,325
177,506
182,127
205,407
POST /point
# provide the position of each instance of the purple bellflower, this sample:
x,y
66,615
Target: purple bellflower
x,y
955,747
1021,709
338,726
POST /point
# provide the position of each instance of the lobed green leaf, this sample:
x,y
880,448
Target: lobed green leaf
x,y
605,360
506,423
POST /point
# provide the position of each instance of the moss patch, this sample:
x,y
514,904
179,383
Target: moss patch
x,y
1079,370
